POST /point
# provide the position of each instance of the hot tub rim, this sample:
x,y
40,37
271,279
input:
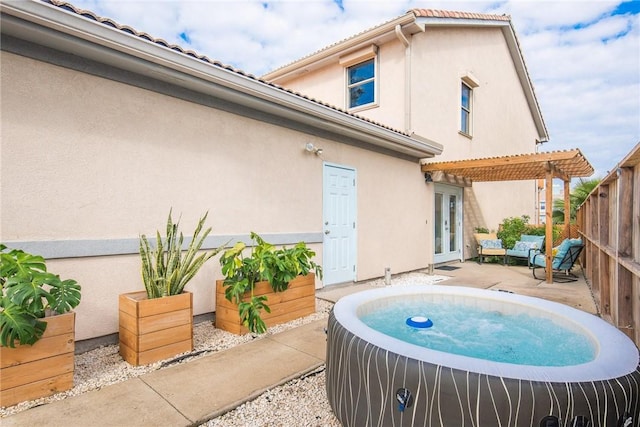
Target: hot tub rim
x,y
616,356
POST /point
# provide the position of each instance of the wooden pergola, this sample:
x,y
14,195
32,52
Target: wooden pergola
x,y
555,164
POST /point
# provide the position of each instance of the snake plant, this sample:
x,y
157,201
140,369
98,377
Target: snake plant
x,y
166,269
28,291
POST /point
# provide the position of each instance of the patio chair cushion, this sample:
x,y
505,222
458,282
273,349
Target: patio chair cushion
x,y
491,244
557,252
524,246
562,250
537,240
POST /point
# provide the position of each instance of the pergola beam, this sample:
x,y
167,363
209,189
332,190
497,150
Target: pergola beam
x,y
521,159
565,165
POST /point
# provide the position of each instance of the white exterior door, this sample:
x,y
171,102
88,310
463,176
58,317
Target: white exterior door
x,y
448,224
339,218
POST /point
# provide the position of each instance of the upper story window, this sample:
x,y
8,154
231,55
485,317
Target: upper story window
x,y
361,88
467,86
465,109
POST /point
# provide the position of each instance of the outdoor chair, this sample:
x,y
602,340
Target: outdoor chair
x,y
524,247
489,245
562,261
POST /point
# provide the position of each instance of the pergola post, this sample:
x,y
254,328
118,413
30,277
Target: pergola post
x,y
549,224
567,209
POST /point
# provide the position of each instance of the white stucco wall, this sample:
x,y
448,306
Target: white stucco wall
x,y
87,158
502,120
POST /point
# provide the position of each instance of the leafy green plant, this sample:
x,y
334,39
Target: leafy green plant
x,y
28,293
265,263
166,269
511,229
481,230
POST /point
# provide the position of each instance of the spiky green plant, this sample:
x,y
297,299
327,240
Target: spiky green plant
x,y
166,269
27,292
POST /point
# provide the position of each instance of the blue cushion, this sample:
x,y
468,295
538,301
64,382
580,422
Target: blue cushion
x,y
563,249
491,244
525,246
538,240
538,258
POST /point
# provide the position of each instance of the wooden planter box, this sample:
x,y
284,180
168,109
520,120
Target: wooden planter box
x,y
45,368
155,329
298,300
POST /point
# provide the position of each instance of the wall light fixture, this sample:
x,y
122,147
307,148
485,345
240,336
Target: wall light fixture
x,y
313,149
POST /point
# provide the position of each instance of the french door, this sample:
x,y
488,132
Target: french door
x,y
448,223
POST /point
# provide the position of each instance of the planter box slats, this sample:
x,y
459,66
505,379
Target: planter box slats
x,y
43,369
45,347
37,370
34,390
155,339
137,303
156,322
156,329
297,301
292,294
151,356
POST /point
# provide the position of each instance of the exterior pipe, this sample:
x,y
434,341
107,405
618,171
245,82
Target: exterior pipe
x,y
407,77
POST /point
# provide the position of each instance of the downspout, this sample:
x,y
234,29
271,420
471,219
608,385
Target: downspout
x,y
407,78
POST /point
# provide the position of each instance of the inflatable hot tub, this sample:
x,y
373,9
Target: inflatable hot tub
x,y
374,379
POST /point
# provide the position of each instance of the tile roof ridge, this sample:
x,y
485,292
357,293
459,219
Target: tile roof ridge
x,y
63,4
439,13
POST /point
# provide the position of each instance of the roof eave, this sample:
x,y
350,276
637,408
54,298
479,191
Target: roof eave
x,y
66,31
379,34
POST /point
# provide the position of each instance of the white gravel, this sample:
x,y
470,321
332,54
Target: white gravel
x,y
300,402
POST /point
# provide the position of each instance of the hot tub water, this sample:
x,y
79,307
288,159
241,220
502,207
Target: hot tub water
x,y
485,334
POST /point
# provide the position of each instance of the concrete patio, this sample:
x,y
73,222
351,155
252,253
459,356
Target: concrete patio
x,y
194,392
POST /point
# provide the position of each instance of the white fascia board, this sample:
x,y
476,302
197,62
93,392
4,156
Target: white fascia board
x,y
521,68
70,32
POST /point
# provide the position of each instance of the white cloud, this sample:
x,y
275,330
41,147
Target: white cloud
x,y
584,63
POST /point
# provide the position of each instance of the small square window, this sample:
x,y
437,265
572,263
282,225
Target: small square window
x,y
361,84
465,109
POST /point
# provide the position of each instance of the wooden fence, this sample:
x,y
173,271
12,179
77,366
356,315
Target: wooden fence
x,y
609,222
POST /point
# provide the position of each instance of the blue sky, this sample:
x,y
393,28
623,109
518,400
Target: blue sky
x,y
583,56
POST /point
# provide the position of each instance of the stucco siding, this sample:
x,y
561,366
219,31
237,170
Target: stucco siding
x,y
84,157
502,121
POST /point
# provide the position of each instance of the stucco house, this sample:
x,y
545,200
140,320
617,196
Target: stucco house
x,y
105,128
454,77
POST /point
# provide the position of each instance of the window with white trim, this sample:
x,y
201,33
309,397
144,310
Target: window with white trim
x,y
361,84
466,100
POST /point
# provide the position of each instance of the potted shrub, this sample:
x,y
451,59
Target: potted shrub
x,y
37,328
157,323
281,276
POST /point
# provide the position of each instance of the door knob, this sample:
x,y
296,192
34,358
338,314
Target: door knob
x,y
327,232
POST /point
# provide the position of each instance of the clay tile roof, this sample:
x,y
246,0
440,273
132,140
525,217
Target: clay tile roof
x,y
433,13
127,29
